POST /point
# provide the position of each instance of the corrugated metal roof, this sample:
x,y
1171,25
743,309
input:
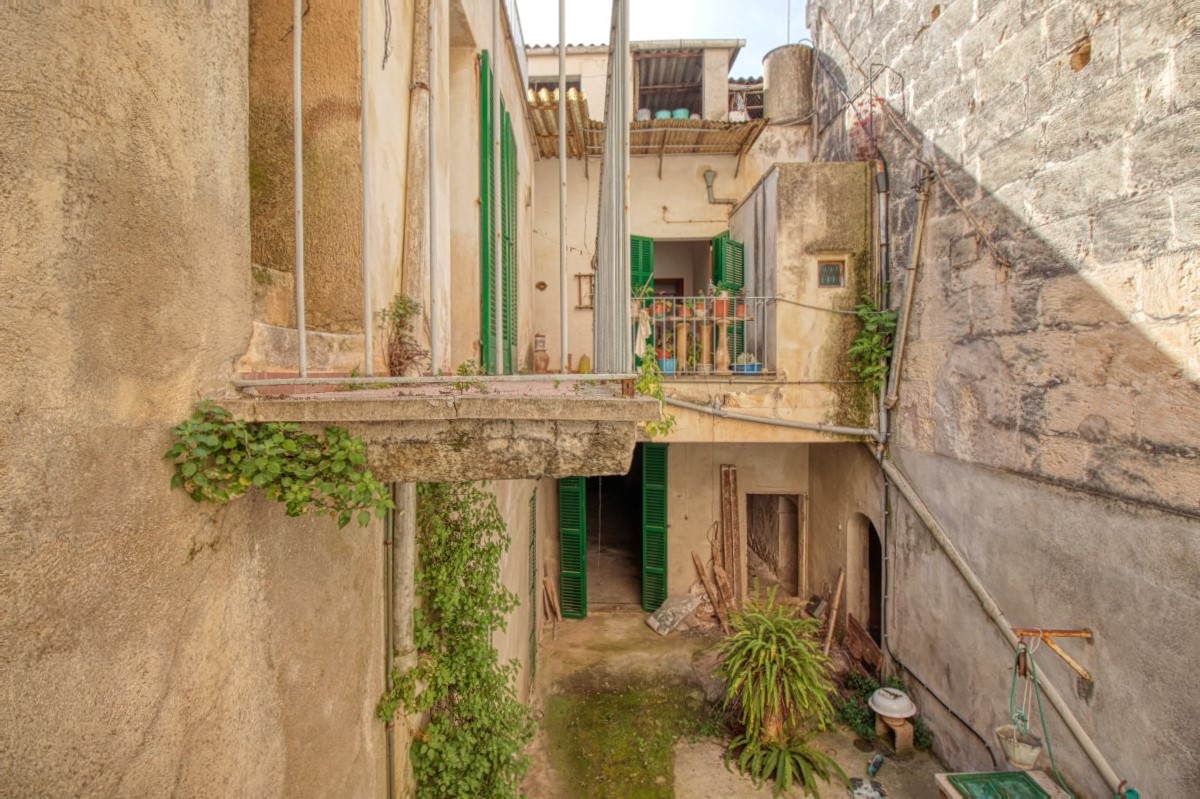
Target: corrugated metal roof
x,y
585,136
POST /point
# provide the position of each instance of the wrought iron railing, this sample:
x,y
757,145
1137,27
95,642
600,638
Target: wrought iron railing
x,y
725,336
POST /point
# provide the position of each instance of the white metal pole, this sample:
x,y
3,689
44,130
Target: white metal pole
x,y
497,235
298,166
368,314
436,275
562,185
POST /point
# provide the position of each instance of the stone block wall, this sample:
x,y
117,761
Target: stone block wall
x,y
1055,340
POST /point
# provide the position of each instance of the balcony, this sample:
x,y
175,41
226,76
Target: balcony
x,y
705,336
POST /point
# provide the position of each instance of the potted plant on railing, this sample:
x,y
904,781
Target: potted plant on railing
x,y
667,363
720,302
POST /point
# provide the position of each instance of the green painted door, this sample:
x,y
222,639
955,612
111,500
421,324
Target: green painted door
x,y
654,526
729,274
572,540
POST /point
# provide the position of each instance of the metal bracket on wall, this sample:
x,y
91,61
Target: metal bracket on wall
x,y
1047,636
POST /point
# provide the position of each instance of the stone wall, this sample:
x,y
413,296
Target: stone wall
x,y
1054,352
153,646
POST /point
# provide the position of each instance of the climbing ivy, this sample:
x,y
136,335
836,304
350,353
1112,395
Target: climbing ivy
x,y
650,384
471,746
872,347
218,458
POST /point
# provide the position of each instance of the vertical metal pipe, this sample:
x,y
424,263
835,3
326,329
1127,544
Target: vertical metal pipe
x,y
497,218
436,274
562,184
389,646
298,167
368,327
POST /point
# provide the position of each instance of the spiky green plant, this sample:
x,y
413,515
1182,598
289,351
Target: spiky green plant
x,y
775,672
787,761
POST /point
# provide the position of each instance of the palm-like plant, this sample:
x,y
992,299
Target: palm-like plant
x,y
777,675
775,671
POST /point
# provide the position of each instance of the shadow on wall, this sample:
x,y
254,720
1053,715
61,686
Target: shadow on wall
x,y
1050,342
1049,412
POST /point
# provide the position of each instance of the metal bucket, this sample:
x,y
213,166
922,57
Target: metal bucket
x,y
1021,751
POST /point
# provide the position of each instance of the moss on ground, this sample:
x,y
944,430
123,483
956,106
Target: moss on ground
x,y
614,735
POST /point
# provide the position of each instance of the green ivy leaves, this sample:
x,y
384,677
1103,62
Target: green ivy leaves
x,y
471,746
218,458
871,349
650,384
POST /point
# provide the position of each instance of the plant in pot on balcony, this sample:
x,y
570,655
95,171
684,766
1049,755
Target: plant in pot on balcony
x,y
665,351
719,302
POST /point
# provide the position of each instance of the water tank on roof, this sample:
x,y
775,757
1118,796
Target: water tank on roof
x,y
787,83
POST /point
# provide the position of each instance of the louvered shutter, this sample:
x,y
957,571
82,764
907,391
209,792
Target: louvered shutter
x,y
508,176
728,263
487,233
641,262
572,539
654,526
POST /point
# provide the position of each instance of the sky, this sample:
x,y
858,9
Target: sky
x,y
762,23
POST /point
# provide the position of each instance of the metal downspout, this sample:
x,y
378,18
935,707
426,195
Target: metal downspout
x,y
437,276
364,115
997,616
298,168
742,417
497,219
389,645
562,185
415,266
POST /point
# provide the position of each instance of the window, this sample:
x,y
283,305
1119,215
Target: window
x,y
831,274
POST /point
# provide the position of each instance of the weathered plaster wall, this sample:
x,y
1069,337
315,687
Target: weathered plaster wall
x,y
153,646
846,482
332,161
512,643
1049,404
694,495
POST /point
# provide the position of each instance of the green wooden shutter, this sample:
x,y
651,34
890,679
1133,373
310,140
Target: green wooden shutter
x,y
508,177
654,526
728,263
572,539
487,233
641,262
533,582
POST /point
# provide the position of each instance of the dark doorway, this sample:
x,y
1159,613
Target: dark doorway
x,y
875,583
614,538
773,537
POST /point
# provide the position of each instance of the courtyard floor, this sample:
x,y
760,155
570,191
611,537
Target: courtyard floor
x,y
628,714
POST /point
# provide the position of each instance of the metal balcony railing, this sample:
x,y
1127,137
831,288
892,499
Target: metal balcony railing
x,y
708,335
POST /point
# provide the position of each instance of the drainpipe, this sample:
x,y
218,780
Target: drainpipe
x,y
415,269
363,134
910,289
885,269
298,167
709,177
562,185
389,646
997,616
497,124
438,289
742,417
881,194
